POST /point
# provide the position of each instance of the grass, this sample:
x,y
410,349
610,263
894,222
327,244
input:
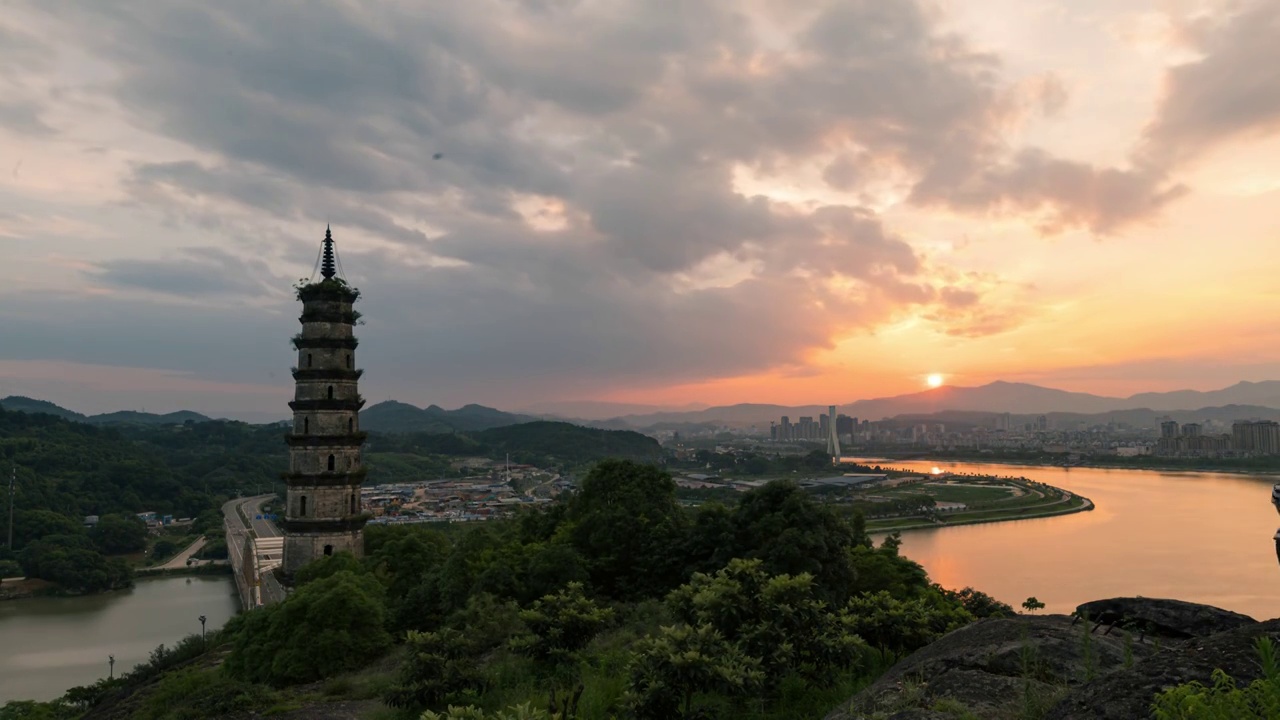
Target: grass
x,y
1011,511
953,492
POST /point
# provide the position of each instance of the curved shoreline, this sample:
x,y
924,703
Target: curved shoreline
x,y
1085,506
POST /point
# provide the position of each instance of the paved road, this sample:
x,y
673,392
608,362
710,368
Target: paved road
x,y
251,507
180,560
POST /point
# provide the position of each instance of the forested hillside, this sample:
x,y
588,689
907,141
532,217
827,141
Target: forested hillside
x,y
617,602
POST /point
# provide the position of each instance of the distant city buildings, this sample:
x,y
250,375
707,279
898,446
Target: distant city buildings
x,y
823,430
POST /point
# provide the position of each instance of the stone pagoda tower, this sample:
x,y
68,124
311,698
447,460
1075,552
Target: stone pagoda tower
x,y
323,514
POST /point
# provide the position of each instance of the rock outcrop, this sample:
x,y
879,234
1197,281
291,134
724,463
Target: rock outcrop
x,y
1163,618
1061,667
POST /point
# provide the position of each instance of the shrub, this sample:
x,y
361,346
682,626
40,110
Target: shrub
x,y
329,626
560,624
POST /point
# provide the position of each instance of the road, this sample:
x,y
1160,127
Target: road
x,y
180,560
251,507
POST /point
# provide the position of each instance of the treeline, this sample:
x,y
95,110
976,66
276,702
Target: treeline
x,y
536,443
618,600
746,462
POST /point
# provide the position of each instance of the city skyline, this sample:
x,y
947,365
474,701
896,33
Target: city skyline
x,y
741,202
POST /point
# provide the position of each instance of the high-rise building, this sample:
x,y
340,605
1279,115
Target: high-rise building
x,y
824,426
833,438
1259,437
322,500
845,425
785,430
1191,430
1168,429
807,429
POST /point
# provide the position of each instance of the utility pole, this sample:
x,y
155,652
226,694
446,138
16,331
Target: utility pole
x,y
13,481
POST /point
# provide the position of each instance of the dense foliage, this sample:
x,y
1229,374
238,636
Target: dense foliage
x,y
617,602
332,624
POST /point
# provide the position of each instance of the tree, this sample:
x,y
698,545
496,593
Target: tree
x,y
902,625
440,665
627,524
979,604
32,525
10,568
560,624
330,625
790,533
1031,605
779,620
670,668
120,534
72,562
327,566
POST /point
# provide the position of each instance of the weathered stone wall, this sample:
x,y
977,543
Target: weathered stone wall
x,y
302,548
326,359
319,390
315,460
325,422
326,330
329,503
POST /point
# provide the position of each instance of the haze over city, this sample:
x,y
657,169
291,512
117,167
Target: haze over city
x,y
801,202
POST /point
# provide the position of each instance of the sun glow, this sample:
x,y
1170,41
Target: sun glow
x,y
934,380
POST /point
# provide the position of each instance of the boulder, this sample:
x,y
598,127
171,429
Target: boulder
x,y
1060,667
1164,618
995,667
1128,692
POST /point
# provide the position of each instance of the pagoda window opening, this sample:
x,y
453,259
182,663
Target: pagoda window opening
x,y
328,549
306,425
353,503
332,463
302,506
330,392
351,425
308,359
348,361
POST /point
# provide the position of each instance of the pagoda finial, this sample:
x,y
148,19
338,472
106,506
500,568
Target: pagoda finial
x,y
327,268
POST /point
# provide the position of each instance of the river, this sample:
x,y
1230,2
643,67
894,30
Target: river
x,y
50,644
1198,536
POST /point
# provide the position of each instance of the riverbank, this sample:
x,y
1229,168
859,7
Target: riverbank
x,y
939,499
1251,466
1078,504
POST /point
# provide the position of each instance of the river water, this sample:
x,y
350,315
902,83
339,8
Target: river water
x,y
50,644
1202,537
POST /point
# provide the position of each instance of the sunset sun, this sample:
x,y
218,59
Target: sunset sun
x,y
934,380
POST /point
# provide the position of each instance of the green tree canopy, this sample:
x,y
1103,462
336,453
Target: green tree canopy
x,y
627,524
328,626
120,534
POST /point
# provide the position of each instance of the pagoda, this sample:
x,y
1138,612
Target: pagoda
x,y
322,502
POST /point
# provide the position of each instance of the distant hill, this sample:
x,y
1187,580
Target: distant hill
x,y
398,417
31,405
568,442
122,417
996,397
540,442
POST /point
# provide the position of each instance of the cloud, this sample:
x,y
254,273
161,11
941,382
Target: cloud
x,y
195,273
1232,90
630,120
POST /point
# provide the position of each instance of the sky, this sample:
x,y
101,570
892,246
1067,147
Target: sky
x,y
693,201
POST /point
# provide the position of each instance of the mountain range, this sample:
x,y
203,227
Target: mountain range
x,y
996,397
1242,400
389,416
121,417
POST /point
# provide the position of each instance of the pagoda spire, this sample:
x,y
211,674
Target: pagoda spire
x,y
327,267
